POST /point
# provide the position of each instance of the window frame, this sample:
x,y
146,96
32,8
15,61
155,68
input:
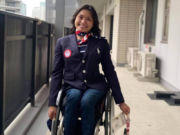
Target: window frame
x,y
148,24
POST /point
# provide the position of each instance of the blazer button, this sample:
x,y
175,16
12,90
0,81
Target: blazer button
x,y
84,71
83,61
85,81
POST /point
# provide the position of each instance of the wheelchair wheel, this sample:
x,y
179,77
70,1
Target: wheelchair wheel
x,y
109,114
57,129
60,128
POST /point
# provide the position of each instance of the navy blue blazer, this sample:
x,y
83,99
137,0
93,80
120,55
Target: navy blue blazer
x,y
82,72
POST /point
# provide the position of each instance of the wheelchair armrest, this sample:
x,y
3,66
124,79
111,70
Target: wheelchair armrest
x,y
59,97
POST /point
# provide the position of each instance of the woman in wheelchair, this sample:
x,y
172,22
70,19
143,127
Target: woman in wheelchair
x,y
77,59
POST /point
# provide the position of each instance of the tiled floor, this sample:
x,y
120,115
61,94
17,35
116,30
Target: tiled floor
x,y
148,117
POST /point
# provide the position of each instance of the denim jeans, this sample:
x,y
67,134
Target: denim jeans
x,y
84,103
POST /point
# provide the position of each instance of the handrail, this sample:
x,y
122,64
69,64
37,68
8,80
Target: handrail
x,y
22,16
26,62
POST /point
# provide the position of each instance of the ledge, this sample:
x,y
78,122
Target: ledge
x,y
24,120
164,42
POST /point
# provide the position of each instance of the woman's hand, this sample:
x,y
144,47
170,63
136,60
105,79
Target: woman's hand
x,y
125,108
52,112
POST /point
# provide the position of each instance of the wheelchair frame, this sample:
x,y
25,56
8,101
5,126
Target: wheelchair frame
x,y
107,123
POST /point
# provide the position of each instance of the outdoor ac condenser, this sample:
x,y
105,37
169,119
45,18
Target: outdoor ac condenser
x,y
146,63
132,56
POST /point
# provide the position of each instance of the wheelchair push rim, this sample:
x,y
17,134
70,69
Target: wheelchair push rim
x,y
109,114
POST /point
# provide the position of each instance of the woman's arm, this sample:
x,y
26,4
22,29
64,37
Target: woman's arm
x,y
112,79
57,74
110,74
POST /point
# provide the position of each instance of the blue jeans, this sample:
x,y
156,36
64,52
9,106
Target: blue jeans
x,y
84,103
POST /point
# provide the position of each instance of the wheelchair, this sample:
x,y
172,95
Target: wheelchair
x,y
105,105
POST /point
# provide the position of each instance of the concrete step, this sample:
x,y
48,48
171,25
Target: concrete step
x,y
172,95
175,99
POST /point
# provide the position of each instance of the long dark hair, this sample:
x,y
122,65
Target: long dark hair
x,y
95,29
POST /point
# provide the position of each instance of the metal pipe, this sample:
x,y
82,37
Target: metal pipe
x,y
140,28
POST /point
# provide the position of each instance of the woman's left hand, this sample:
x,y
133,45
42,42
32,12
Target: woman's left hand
x,y
125,108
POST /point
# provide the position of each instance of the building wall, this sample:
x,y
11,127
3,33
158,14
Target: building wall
x,y
43,11
2,2
10,5
109,6
70,8
168,55
39,12
115,31
126,28
106,19
107,27
50,11
36,12
23,9
101,26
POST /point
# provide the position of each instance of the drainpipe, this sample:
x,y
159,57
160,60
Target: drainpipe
x,y
140,28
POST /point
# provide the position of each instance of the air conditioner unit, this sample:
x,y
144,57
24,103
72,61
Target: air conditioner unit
x,y
132,56
146,63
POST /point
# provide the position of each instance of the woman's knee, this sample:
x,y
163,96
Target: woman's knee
x,y
74,95
87,103
91,98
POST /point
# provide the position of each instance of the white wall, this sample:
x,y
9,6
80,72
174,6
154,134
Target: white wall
x,y
168,54
106,25
115,32
101,26
109,6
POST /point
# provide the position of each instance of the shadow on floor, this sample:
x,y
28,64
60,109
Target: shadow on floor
x,y
167,100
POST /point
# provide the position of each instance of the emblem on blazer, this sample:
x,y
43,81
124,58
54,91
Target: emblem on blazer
x,y
67,53
98,51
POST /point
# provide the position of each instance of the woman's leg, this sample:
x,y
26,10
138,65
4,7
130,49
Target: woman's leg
x,y
87,109
72,110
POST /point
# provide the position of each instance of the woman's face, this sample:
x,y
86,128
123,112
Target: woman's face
x,y
84,21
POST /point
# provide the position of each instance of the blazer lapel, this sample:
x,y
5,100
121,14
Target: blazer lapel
x,y
73,43
91,43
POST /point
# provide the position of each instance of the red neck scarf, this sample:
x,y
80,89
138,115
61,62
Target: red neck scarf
x,y
85,38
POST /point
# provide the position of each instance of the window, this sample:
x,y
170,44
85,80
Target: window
x,y
11,4
166,22
10,10
151,17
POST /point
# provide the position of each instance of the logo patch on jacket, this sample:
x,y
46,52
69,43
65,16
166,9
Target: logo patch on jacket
x,y
67,53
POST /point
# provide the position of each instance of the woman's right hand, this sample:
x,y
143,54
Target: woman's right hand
x,y
52,112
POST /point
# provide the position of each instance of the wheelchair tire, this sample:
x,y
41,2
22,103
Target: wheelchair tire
x,y
109,114
52,127
55,127
60,129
